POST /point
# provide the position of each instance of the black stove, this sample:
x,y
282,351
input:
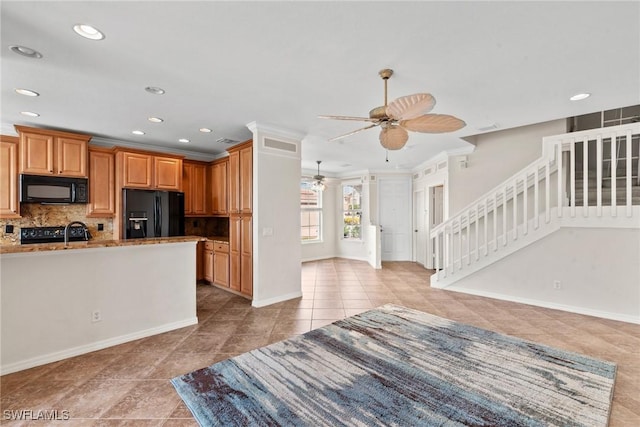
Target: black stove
x,y
77,233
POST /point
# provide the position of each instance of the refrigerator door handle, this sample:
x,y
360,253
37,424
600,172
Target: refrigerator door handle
x,y
158,221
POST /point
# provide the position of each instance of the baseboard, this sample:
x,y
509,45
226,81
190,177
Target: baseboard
x,y
98,345
275,300
563,307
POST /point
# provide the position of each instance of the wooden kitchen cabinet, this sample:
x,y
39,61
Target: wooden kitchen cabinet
x,y
102,201
200,261
9,206
240,218
219,190
241,178
48,152
167,173
194,183
208,261
148,170
221,264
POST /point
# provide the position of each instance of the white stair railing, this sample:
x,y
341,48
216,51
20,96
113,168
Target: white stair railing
x,y
584,171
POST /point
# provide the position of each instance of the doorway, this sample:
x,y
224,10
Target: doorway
x,y
394,195
436,216
420,227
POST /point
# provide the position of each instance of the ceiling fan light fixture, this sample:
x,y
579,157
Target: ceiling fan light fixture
x,y
393,137
318,180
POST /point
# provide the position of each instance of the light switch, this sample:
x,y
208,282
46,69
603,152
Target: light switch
x,y
267,231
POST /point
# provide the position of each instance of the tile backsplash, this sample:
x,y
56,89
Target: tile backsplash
x,y
37,215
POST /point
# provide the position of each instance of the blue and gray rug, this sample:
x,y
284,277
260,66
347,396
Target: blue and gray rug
x,y
398,366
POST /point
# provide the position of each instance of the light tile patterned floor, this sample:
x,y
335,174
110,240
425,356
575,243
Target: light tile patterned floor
x,y
128,384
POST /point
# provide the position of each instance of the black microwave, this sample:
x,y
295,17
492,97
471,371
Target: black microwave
x,y
53,189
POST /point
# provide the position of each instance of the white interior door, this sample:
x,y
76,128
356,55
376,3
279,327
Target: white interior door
x,y
394,202
420,227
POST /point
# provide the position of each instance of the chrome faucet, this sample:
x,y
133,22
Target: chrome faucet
x,y
68,227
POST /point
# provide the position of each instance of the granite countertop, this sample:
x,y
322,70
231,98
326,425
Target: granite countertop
x,y
39,247
218,239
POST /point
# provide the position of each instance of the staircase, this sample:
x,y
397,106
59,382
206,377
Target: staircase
x,y
583,179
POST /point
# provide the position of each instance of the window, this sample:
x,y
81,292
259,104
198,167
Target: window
x,y
310,213
352,211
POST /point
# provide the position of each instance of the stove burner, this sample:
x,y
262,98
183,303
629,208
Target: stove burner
x,y
51,234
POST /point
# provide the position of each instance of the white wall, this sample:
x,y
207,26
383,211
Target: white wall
x,y
597,268
276,216
48,299
497,156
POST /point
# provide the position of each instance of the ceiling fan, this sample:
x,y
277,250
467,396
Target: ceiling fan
x,y
407,113
318,180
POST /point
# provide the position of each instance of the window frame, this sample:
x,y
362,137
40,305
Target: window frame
x,y
318,208
353,212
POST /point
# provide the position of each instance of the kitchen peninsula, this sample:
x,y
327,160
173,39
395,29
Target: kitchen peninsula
x,y
60,301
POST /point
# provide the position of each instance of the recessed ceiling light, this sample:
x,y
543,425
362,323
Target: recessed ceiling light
x,y
205,130
156,119
137,132
27,92
154,90
580,96
26,51
184,140
29,113
88,32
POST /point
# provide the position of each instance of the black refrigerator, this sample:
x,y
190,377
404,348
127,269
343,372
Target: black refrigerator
x,y
149,213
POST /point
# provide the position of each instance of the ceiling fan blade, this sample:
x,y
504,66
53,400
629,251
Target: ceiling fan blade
x,y
433,123
393,137
352,132
364,119
410,106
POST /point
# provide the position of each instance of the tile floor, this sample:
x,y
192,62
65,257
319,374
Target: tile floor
x,y
128,384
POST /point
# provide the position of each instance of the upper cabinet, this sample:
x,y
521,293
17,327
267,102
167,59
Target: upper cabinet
x,y
196,190
101,183
241,178
219,187
48,152
9,207
139,169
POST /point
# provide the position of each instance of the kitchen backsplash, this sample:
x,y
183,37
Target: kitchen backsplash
x,y
36,215
207,227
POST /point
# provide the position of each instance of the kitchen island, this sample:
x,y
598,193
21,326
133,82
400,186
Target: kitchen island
x,y
60,301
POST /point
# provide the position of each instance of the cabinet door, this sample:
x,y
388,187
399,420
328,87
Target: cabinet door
x,y
71,157
219,203
187,185
221,268
136,169
9,207
208,265
246,256
167,173
234,252
36,153
200,261
234,182
199,190
246,179
101,184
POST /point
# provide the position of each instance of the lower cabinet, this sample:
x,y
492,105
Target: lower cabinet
x,y
221,264
208,261
200,261
240,254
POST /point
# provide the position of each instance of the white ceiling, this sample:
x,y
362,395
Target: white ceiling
x,y
225,64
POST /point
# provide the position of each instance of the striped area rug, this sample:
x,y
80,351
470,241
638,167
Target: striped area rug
x,y
398,366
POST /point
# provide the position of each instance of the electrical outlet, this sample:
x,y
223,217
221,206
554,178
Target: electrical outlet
x,y
100,227
8,228
557,284
96,316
